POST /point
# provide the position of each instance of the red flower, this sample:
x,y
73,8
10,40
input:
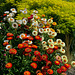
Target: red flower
x,y
27,73
49,63
28,50
34,46
20,46
39,74
8,65
4,14
26,54
63,68
13,51
33,65
9,38
50,51
30,38
37,37
36,53
34,59
59,70
29,46
50,71
9,34
44,57
57,63
18,36
25,45
67,65
55,47
39,58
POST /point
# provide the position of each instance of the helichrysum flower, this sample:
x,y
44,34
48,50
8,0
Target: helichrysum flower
x,y
73,63
50,41
44,42
34,33
62,51
19,21
41,30
24,21
8,47
22,35
35,11
14,25
50,20
11,20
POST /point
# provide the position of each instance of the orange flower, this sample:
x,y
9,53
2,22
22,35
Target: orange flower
x,y
4,14
39,74
30,38
9,34
26,54
54,23
57,62
9,38
28,50
25,45
38,71
34,59
37,37
33,65
67,65
29,46
34,46
27,73
13,51
50,71
55,47
44,57
20,46
8,65
5,43
43,15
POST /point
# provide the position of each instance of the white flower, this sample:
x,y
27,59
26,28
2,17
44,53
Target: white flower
x,y
42,38
41,30
6,40
0,27
35,11
73,63
14,25
50,41
48,29
10,15
54,34
45,47
8,47
24,11
30,42
45,30
50,33
62,51
65,60
19,21
34,24
50,20
63,57
6,12
11,20
51,45
13,10
24,21
22,35
59,41
34,33
62,44
44,42
44,19
40,25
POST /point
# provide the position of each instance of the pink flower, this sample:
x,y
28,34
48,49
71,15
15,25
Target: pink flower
x,y
58,58
4,54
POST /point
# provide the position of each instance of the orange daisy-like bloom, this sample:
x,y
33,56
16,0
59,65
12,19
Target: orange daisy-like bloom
x,y
20,46
28,50
54,23
33,65
13,51
43,15
67,65
8,65
34,46
39,74
27,73
57,62
9,38
34,59
44,57
5,43
50,71
25,45
55,48
63,68
9,34
37,37
36,53
29,46
30,38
